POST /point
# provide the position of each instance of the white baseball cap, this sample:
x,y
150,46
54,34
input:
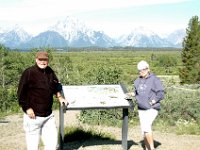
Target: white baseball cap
x,y
142,65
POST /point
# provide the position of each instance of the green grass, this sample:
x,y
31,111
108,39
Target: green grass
x,y
187,127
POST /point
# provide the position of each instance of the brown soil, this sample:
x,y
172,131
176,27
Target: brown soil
x,y
12,136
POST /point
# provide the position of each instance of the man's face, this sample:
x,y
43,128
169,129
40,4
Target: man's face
x,y
42,63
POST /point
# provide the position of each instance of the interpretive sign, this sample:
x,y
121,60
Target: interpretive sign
x,y
95,96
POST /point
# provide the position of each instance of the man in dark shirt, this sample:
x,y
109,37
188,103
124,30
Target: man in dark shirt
x,y
35,92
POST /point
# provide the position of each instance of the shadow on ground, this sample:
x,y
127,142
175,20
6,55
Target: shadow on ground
x,y
4,121
156,144
80,138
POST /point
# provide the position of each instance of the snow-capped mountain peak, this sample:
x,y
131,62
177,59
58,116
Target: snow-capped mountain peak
x,y
143,37
13,37
69,28
20,32
143,31
176,36
74,33
78,34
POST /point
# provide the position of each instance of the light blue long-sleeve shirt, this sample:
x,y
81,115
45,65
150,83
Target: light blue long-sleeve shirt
x,y
148,89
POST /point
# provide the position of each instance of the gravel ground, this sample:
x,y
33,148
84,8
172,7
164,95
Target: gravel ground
x,y
13,138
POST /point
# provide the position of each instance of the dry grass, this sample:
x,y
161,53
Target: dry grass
x,y
12,136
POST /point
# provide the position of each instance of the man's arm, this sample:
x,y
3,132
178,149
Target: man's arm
x,y
22,91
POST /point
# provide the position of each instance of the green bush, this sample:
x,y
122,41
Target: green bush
x,y
181,104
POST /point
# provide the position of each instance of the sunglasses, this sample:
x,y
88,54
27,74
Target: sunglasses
x,y
43,59
143,70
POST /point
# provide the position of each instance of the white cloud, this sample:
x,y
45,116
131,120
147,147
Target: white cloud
x,y
36,15
42,9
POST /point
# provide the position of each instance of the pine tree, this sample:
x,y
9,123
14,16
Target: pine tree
x,y
190,73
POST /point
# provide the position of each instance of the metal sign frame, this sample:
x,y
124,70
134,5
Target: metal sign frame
x,y
96,97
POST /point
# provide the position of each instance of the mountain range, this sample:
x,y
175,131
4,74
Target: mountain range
x,y
73,33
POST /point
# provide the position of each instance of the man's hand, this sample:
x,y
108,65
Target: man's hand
x,y
62,100
30,113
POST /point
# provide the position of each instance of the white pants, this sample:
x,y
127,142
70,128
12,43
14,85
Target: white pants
x,y
146,119
41,126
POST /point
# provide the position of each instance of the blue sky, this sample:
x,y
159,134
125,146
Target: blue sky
x,y
114,17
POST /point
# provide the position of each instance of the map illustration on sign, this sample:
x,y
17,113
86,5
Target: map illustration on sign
x,y
95,96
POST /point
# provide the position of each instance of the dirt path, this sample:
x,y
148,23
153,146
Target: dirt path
x,y
12,137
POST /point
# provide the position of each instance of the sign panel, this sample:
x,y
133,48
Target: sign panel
x,y
95,96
